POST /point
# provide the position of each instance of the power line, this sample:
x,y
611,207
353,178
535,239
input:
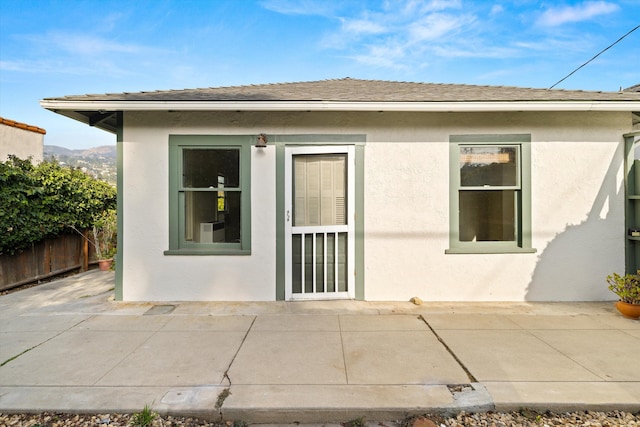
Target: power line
x,y
598,54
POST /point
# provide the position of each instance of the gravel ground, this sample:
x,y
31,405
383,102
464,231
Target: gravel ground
x,y
522,418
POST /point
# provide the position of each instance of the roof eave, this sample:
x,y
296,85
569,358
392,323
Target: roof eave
x,y
79,110
81,115
57,105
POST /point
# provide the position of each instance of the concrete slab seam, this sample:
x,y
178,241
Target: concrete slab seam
x,y
124,357
43,342
227,391
344,359
20,354
449,350
577,362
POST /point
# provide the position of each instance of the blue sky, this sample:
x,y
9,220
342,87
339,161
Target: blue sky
x,y
68,47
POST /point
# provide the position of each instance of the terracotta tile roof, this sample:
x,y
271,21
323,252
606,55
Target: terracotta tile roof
x,y
24,126
355,90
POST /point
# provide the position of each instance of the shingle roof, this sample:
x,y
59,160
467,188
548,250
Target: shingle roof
x,y
356,90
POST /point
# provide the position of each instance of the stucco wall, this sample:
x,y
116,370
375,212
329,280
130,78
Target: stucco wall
x,y
577,207
150,275
577,212
21,143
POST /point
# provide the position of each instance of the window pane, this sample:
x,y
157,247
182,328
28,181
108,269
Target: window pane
x,y
487,216
207,168
205,223
481,166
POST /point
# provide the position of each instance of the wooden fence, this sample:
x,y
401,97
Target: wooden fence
x,y
45,259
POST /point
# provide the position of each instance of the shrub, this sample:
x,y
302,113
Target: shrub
x,y
46,200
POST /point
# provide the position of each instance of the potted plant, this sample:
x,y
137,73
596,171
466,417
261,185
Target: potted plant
x,y
102,237
104,233
627,288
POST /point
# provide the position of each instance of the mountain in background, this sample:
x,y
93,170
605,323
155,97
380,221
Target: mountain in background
x,y
108,151
99,162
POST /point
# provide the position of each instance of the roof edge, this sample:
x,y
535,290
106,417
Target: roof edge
x,y
416,106
24,126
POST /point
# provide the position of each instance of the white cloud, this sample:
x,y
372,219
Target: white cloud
x,y
21,66
299,7
581,12
111,21
403,39
388,56
449,51
496,9
413,7
362,26
78,54
403,34
83,44
555,46
56,66
436,26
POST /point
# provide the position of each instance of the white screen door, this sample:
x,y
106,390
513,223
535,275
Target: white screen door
x,y
319,222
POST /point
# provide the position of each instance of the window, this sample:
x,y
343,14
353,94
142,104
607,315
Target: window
x,y
209,198
490,198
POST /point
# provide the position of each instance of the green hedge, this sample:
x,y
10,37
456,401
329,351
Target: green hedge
x,y
46,200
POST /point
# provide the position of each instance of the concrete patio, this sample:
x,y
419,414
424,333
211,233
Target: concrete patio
x,y
67,346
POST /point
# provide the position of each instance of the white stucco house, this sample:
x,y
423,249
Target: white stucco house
x,y
21,140
373,190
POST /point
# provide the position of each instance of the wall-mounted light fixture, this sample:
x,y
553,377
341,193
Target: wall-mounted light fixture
x,y
262,141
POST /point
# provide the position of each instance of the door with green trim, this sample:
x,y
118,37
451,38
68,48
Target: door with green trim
x,y
319,222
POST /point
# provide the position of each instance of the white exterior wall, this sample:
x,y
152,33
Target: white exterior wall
x,y
21,143
577,212
150,275
577,207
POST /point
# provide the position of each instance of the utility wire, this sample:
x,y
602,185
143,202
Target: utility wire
x,y
598,54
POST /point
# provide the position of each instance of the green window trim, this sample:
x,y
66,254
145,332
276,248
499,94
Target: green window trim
x,y
522,241
118,290
177,243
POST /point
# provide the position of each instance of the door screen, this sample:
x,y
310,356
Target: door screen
x,y
318,226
